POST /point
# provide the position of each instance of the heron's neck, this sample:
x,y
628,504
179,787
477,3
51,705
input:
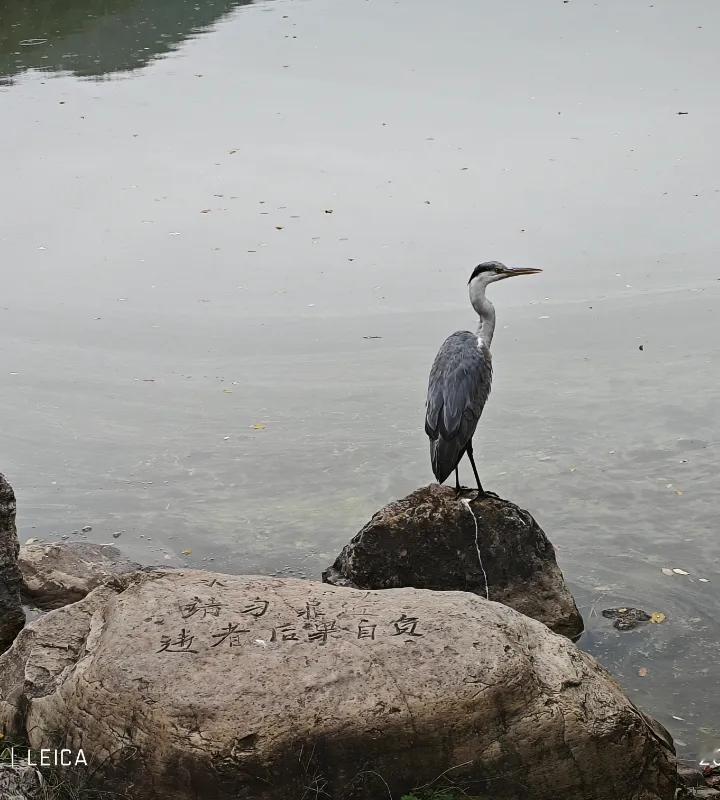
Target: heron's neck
x,y
486,315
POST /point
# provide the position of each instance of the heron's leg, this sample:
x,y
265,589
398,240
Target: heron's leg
x,y
472,461
457,480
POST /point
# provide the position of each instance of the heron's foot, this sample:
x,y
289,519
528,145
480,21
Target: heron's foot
x,y
473,493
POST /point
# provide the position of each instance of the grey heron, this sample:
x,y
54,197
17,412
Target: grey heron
x,y
460,379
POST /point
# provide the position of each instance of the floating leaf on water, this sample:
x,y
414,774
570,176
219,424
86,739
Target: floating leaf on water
x,y
259,426
680,571
642,672
666,571
703,580
187,552
657,617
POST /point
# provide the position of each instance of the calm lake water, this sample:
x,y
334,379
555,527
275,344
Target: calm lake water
x,y
210,210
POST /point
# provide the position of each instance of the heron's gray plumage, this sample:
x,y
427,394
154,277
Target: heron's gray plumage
x,y
460,379
458,389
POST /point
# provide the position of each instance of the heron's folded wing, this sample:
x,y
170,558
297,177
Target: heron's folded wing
x,y
459,386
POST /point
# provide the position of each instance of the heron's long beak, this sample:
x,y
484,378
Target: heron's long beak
x,y
511,273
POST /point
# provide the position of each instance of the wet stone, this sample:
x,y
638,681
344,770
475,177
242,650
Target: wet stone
x,y
11,613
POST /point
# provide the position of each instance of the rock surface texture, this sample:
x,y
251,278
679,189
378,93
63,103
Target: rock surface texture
x,y
12,617
21,783
429,540
189,684
56,574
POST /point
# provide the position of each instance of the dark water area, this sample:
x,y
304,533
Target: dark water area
x,y
99,37
233,236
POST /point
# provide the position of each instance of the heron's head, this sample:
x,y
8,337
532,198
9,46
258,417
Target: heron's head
x,y
491,271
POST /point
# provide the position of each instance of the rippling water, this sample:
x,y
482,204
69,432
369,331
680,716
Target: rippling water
x,y
233,236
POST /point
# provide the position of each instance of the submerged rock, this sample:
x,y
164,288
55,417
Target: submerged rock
x,y
190,684
434,540
55,574
626,618
12,617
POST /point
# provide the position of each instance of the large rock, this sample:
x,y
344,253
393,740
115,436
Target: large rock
x,y
12,617
189,684
434,540
55,574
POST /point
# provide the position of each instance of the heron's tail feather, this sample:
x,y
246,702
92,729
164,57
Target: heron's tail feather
x,y
444,456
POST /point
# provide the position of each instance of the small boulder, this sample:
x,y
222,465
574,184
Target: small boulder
x,y
190,684
56,574
12,617
489,546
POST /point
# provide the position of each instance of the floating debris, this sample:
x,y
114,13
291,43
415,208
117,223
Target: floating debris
x,y
678,571
657,617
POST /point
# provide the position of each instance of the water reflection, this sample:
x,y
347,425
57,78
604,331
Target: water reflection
x,y
92,38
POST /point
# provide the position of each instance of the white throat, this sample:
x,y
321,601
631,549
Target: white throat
x,y
485,311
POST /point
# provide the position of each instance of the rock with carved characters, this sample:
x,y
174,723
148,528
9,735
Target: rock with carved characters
x,y
190,684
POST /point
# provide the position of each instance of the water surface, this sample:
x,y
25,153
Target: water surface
x,y
233,236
